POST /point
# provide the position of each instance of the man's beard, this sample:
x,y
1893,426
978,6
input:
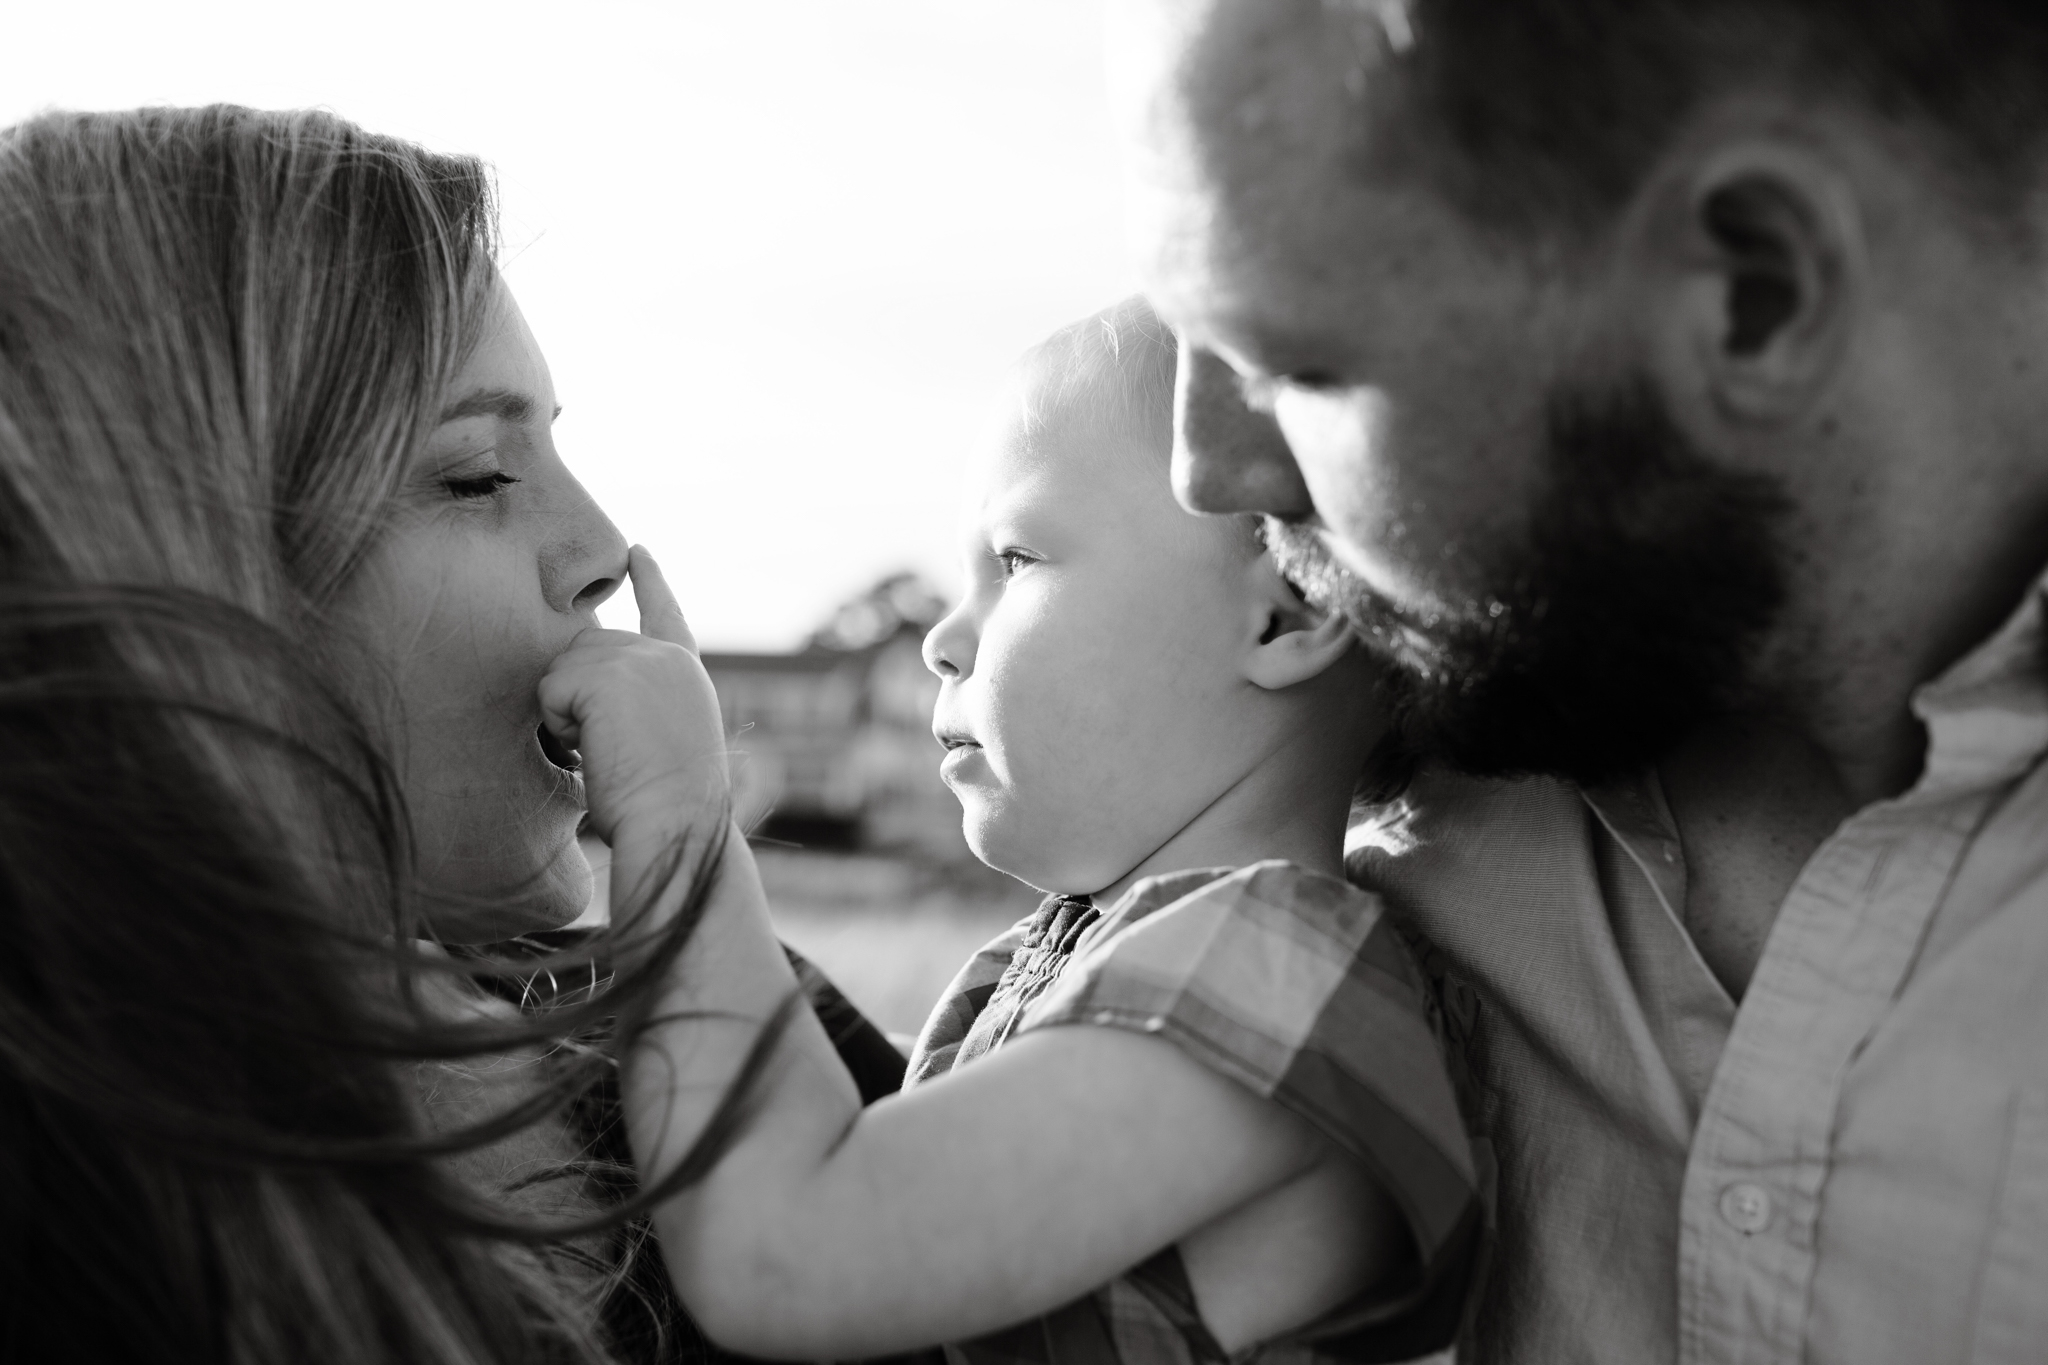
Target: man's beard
x,y
1629,618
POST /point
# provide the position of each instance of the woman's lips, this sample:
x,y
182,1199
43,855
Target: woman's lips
x,y
556,752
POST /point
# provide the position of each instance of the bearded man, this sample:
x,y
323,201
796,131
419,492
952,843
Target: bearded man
x,y
1657,384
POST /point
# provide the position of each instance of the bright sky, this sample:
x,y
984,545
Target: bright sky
x,y
779,253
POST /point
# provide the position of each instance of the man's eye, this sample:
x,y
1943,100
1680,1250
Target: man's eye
x,y
1262,392
482,486
1313,381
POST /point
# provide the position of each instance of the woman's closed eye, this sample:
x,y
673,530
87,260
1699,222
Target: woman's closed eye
x,y
480,486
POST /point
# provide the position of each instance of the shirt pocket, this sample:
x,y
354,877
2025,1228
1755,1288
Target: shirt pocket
x,y
2012,1289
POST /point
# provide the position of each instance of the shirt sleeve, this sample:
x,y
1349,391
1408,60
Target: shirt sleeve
x,y
1296,986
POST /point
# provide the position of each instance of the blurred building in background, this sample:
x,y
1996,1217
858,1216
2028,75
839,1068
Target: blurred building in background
x,y
832,744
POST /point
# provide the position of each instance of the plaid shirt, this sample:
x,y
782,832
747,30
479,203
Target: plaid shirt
x,y
1295,986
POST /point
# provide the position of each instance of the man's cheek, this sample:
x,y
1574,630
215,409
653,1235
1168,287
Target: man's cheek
x,y
1334,434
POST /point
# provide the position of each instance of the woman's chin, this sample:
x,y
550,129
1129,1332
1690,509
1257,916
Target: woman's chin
x,y
569,886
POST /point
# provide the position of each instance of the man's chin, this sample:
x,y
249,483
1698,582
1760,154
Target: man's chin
x,y
1305,559
1630,617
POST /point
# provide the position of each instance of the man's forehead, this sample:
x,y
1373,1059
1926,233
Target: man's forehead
x,y
1273,283
1238,73
1272,128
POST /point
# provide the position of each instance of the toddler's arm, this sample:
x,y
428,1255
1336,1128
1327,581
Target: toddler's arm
x,y
988,1197
994,1194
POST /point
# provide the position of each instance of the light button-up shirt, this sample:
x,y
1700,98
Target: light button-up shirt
x,y
1850,1168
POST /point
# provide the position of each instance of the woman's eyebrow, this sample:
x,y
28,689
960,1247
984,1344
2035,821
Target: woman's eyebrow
x,y
504,404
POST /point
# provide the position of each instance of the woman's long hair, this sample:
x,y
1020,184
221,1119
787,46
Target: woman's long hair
x,y
223,334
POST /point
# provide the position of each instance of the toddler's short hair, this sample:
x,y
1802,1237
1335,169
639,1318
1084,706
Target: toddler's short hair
x,y
1119,364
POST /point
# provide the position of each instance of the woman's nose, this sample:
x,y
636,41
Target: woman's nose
x,y
949,646
1228,457
584,562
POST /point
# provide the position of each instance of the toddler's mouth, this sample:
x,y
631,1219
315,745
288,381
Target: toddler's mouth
x,y
962,753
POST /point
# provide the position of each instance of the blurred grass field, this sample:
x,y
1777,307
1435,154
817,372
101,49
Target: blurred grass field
x,y
890,932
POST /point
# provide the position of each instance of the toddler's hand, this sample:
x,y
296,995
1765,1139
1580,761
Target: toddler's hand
x,y
642,713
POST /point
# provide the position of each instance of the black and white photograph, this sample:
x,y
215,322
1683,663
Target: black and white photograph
x,y
1024,682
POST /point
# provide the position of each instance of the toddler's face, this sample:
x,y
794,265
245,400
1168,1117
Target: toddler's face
x,y
1092,674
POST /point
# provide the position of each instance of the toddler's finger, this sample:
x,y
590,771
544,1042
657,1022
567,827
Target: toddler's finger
x,y
661,616
558,710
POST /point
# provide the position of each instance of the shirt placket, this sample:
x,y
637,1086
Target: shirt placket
x,y
1842,945
1038,961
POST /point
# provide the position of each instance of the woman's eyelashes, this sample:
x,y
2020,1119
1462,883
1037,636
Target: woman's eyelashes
x,y
477,487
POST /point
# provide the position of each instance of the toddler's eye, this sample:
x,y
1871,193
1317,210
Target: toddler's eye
x,y
482,486
1013,560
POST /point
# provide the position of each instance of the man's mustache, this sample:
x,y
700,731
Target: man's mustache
x,y
1306,562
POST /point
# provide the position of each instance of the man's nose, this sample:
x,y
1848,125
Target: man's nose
x,y
1228,457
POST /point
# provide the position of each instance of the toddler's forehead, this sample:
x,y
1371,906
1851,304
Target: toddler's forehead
x,y
1079,447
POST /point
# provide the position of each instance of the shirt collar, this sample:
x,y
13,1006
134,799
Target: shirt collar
x,y
1987,715
1150,893
1986,719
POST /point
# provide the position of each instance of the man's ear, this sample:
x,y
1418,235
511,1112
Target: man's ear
x,y
1295,641
1768,241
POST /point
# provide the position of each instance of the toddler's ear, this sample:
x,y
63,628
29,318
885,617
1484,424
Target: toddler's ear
x,y
1296,641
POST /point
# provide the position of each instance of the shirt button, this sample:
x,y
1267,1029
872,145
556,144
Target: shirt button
x,y
1747,1207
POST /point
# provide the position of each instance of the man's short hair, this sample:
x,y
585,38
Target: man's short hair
x,y
1555,109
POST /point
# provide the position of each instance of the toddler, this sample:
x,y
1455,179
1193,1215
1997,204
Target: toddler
x,y
1191,1106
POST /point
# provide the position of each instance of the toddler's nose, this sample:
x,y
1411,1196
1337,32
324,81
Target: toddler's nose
x,y
949,646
